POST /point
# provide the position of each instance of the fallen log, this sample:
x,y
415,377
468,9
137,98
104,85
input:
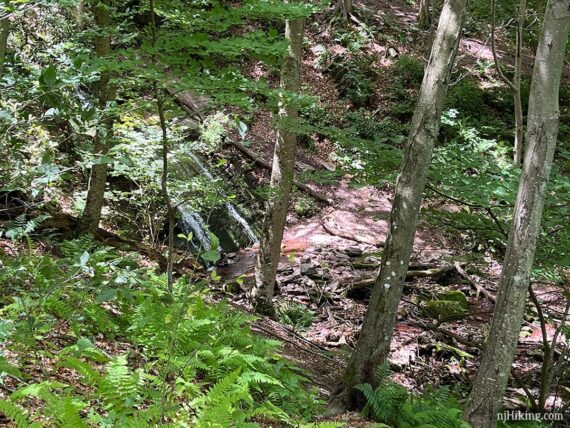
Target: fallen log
x,y
260,162
434,272
350,235
67,224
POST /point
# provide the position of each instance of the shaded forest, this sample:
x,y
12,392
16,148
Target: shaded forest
x,y
278,213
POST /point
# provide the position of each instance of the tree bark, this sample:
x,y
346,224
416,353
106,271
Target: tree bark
x,y
91,216
424,14
4,32
281,175
519,120
542,129
345,8
374,340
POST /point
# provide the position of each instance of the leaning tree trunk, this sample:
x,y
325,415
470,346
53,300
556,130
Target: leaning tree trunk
x,y
424,14
281,175
91,216
374,340
4,31
542,129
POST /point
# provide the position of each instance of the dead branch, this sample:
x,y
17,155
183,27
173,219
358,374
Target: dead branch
x,y
260,162
434,272
471,281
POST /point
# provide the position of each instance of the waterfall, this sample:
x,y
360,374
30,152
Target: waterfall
x,y
230,208
192,222
224,220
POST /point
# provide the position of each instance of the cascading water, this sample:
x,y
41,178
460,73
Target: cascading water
x,y
229,226
231,209
192,222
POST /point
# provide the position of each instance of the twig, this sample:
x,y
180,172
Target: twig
x,y
477,287
488,210
471,344
494,48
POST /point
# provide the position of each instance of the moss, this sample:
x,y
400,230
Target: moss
x,y
454,296
444,308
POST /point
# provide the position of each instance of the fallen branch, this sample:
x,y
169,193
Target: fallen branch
x,y
67,223
466,342
434,272
480,290
353,236
260,162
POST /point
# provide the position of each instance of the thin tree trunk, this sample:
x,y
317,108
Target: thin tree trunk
x,y
80,17
519,121
345,7
4,32
165,152
424,14
91,216
374,340
281,175
542,129
515,85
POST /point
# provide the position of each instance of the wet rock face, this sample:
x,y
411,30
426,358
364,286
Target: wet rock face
x,y
224,221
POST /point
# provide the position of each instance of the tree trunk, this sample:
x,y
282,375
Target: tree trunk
x,y
519,121
424,14
345,7
542,129
374,340
281,175
4,31
106,93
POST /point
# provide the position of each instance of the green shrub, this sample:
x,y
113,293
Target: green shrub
x,y
408,70
354,77
304,206
467,97
296,315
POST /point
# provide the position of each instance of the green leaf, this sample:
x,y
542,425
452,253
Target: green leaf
x,y
106,294
84,259
48,77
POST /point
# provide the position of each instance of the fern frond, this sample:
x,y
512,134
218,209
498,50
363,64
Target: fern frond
x,y
382,372
120,387
17,414
89,374
66,411
6,367
37,390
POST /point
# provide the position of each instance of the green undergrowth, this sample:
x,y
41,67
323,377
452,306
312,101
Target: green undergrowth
x,y
92,339
394,406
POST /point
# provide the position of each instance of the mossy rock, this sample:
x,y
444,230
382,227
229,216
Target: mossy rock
x,y
444,308
454,296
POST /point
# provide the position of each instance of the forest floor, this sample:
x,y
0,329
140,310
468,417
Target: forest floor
x,y
331,258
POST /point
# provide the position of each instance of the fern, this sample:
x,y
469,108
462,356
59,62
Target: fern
x,y
17,414
89,375
201,355
66,411
9,369
392,404
120,387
